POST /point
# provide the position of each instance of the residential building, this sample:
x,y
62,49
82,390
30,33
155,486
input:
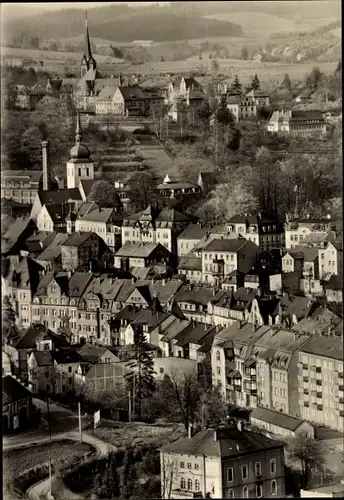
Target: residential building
x,y
17,406
334,289
23,185
80,249
193,301
155,226
187,91
321,382
191,267
297,230
190,237
223,256
331,260
298,123
178,191
105,222
328,491
13,240
6,363
224,463
132,255
244,107
102,376
263,230
280,424
172,366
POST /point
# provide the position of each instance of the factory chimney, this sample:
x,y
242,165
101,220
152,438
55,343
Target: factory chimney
x,y
46,170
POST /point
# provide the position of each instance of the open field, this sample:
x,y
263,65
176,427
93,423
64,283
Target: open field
x,y
261,24
18,461
137,434
49,55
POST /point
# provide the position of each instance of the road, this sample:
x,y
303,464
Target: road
x,y
62,420
41,488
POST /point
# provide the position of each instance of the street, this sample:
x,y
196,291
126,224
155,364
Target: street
x,y
62,420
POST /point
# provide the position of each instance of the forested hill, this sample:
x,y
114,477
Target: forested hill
x,y
122,24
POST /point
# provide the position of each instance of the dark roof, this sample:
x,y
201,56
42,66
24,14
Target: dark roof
x,y
66,356
300,115
235,277
190,263
276,418
77,239
193,232
230,442
141,250
90,353
327,347
172,215
26,175
226,245
13,391
132,93
43,358
334,283
36,333
196,295
59,197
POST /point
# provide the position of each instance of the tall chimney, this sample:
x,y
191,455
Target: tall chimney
x,y
190,431
45,161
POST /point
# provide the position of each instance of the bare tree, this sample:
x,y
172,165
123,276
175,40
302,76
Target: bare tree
x,y
169,469
309,454
186,393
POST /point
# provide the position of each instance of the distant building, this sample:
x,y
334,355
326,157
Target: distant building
x,y
223,463
245,107
263,230
178,191
22,185
300,229
297,123
17,406
280,424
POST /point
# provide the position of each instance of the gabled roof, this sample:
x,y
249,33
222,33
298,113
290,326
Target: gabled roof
x,y
106,215
43,358
193,232
77,239
276,418
13,391
90,353
334,283
59,197
190,263
257,93
227,245
132,93
321,345
196,295
230,442
172,215
141,250
36,333
107,92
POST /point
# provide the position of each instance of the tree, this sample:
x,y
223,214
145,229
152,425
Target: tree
x,y
185,392
8,316
244,53
313,79
287,83
215,68
169,470
236,85
211,409
142,190
104,194
310,455
142,365
204,114
255,85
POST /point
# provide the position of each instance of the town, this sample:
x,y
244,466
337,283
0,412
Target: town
x,y
172,269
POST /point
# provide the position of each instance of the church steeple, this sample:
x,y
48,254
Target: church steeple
x,y
88,61
87,48
78,131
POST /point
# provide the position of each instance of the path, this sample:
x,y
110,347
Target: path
x,y
41,488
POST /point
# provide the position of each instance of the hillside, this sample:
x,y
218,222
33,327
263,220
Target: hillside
x,y
121,24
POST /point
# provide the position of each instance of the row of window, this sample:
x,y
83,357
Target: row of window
x,y
259,491
244,470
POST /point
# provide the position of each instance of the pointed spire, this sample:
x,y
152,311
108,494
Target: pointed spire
x,y
78,131
87,49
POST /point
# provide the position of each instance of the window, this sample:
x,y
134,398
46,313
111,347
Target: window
x,y
273,466
182,483
196,466
245,492
259,491
218,356
273,487
189,466
197,485
189,484
230,494
69,369
244,471
182,465
230,475
218,370
258,469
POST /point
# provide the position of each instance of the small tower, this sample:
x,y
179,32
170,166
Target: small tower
x,y
88,61
80,165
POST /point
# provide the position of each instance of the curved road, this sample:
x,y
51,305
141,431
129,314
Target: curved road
x,y
41,488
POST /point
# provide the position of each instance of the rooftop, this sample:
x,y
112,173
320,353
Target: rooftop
x,y
323,346
13,391
276,418
223,442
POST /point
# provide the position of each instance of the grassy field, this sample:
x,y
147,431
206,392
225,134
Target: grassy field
x,y
51,55
17,462
138,434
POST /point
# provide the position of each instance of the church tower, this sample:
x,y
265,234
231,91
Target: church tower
x,y
88,61
80,165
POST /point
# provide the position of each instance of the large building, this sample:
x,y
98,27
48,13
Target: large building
x,y
223,463
297,123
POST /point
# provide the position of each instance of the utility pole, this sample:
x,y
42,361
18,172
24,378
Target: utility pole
x,y
49,427
80,430
129,396
134,380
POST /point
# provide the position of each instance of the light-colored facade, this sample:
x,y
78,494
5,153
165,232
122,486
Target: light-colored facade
x,y
321,382
331,260
297,123
297,230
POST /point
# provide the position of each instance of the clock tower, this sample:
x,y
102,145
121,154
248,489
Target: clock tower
x,y
80,165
